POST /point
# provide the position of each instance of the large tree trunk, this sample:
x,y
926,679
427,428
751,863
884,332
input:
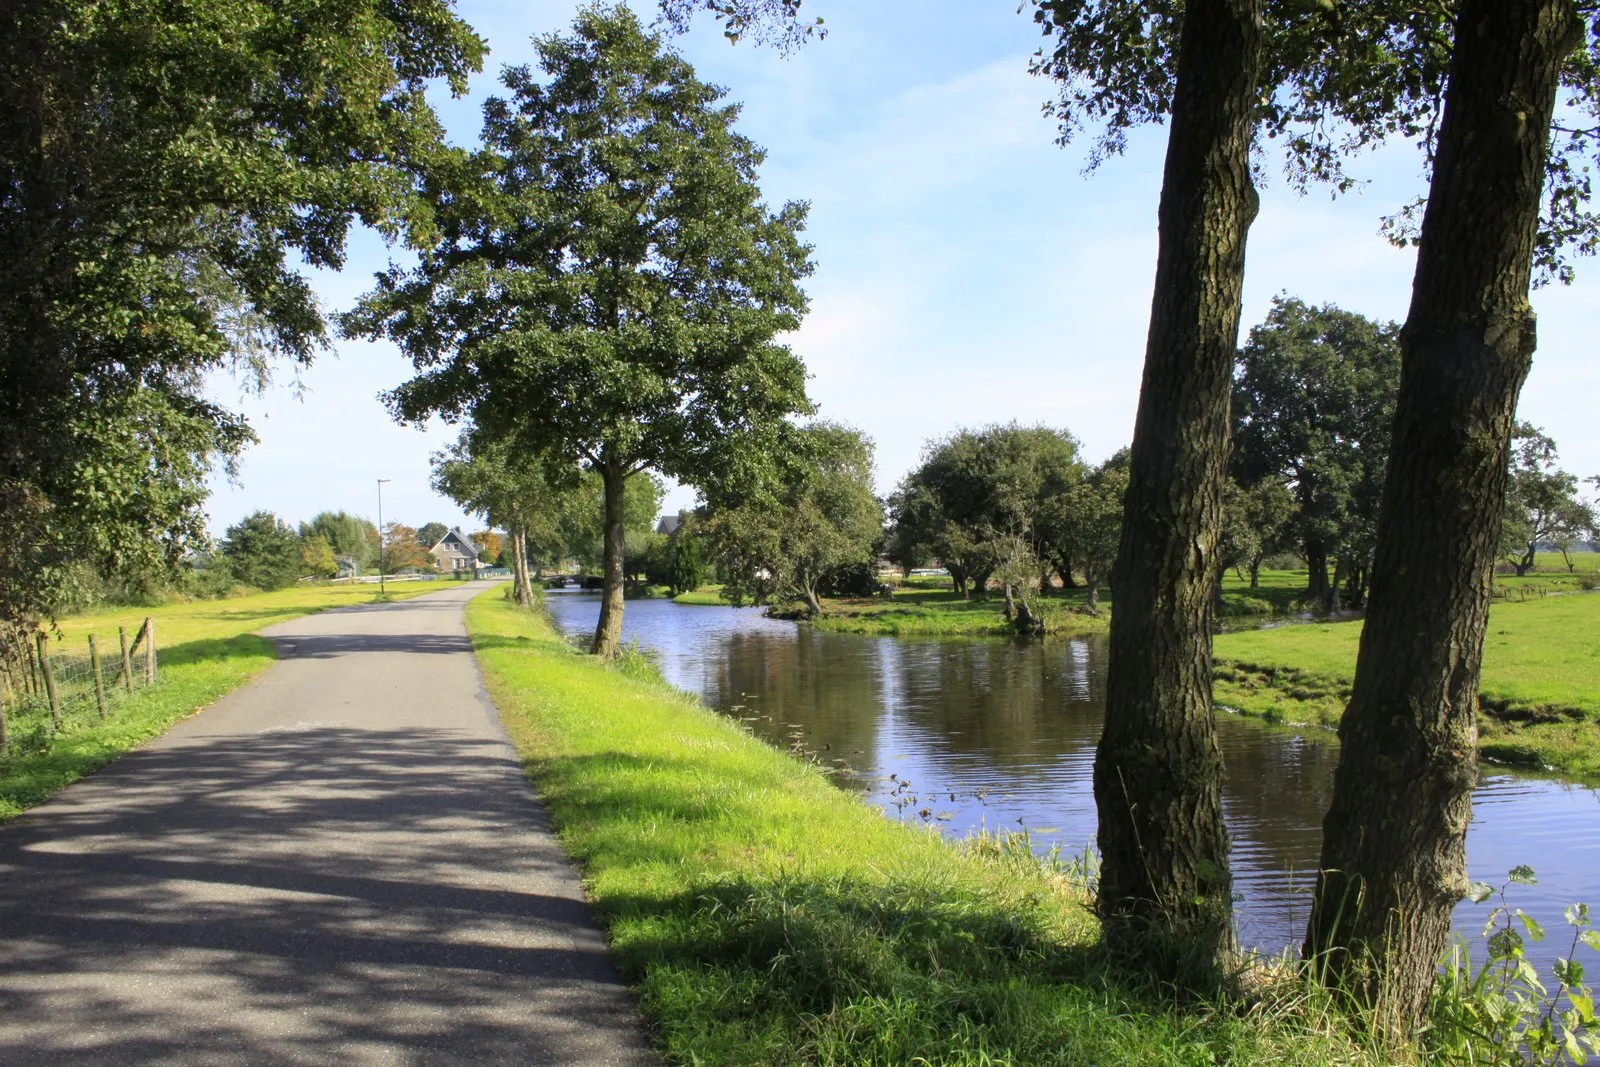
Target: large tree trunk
x,y
1158,771
1393,855
958,579
1340,574
1317,589
980,584
521,587
608,631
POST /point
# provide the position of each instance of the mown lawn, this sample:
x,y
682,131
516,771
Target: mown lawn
x,y
204,650
1540,687
764,916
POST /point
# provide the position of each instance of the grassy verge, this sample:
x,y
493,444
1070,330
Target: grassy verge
x,y
205,649
1540,687
764,916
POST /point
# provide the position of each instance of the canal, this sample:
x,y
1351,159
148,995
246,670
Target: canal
x,y
969,734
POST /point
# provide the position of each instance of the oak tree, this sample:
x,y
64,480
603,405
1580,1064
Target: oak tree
x,y
817,516
1542,503
1313,402
262,550
164,169
608,285
1393,854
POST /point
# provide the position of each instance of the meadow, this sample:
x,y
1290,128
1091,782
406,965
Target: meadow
x,y
1540,684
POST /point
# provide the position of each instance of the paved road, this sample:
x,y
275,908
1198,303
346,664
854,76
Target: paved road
x,y
337,864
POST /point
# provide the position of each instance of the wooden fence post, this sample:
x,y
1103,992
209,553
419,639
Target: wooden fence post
x,y
127,661
99,681
149,651
49,681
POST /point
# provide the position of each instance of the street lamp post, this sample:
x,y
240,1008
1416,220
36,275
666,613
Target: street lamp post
x,y
383,552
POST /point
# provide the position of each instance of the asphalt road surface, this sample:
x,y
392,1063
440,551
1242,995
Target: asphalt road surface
x,y
340,863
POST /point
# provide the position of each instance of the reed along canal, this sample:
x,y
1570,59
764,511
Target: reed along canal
x,y
985,733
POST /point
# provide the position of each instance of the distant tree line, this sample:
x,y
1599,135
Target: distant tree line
x,y
264,552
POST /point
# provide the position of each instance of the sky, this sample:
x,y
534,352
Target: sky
x,y
968,270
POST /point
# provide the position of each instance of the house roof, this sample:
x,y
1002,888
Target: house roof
x,y
463,543
668,524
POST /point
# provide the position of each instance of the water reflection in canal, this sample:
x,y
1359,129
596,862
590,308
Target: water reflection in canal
x,y
987,733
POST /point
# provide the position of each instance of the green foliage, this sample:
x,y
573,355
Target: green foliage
x,y
1500,1011
431,533
349,536
316,557
1258,523
819,517
980,498
1313,405
583,519
489,477
772,21
263,551
685,566
1542,504
1082,522
1339,79
163,169
608,283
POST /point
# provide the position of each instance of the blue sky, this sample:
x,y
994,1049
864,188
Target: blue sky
x,y
968,271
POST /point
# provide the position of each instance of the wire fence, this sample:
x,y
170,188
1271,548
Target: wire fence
x,y
50,687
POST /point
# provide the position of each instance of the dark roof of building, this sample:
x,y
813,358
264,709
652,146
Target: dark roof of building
x,y
668,524
463,542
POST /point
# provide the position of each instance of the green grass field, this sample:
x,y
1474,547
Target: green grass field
x,y
764,916
926,608
205,649
1540,687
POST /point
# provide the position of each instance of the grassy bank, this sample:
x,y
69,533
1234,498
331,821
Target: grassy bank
x,y
707,596
765,916
1540,687
205,649
928,608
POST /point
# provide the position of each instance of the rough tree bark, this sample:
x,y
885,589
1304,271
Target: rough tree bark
x,y
1158,771
608,631
521,587
1393,855
1317,588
